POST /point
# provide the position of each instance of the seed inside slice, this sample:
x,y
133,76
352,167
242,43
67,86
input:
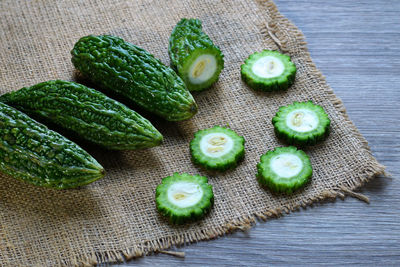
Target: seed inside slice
x,y
302,120
286,165
284,169
184,197
301,123
216,145
202,69
217,148
268,67
184,194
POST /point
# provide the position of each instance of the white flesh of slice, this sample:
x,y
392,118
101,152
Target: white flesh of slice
x,y
286,165
268,67
202,69
302,120
184,194
216,145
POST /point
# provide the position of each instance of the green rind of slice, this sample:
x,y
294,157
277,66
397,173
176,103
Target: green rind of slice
x,y
281,82
227,161
293,137
179,215
276,183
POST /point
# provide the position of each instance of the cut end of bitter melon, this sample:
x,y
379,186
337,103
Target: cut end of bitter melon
x,y
217,148
183,197
284,169
202,69
193,54
301,123
268,71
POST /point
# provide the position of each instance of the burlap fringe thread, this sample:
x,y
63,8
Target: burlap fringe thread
x,y
271,30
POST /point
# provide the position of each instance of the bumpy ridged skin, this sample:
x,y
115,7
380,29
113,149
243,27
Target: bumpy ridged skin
x,y
282,82
187,42
134,73
223,163
178,215
29,151
268,178
292,137
89,113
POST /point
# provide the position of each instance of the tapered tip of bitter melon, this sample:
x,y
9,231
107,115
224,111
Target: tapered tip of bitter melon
x,y
183,198
217,148
268,71
193,54
186,111
84,177
301,123
284,169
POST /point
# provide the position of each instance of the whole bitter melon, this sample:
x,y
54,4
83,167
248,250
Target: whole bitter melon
x,y
87,112
134,73
195,57
29,151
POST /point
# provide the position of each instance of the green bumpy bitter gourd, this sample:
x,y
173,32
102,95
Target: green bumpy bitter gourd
x,y
87,112
184,198
284,169
194,56
301,123
217,148
29,151
268,71
133,72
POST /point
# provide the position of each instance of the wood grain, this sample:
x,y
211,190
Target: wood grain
x,y
356,45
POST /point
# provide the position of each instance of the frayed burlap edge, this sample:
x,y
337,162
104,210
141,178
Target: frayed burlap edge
x,y
270,30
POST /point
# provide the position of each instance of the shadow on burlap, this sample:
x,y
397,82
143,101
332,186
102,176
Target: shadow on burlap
x,y
115,218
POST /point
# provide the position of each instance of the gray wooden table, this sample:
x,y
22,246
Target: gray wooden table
x,y
356,44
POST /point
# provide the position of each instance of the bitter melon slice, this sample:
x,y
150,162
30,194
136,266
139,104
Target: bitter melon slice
x,y
301,123
284,169
195,57
183,197
268,71
133,72
29,151
217,148
87,112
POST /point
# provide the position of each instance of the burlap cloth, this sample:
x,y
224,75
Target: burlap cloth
x,y
116,218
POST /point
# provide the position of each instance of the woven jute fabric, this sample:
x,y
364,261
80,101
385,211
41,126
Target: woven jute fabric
x,y
115,218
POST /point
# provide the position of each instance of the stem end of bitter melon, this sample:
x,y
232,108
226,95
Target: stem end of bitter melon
x,y
184,198
284,169
268,71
